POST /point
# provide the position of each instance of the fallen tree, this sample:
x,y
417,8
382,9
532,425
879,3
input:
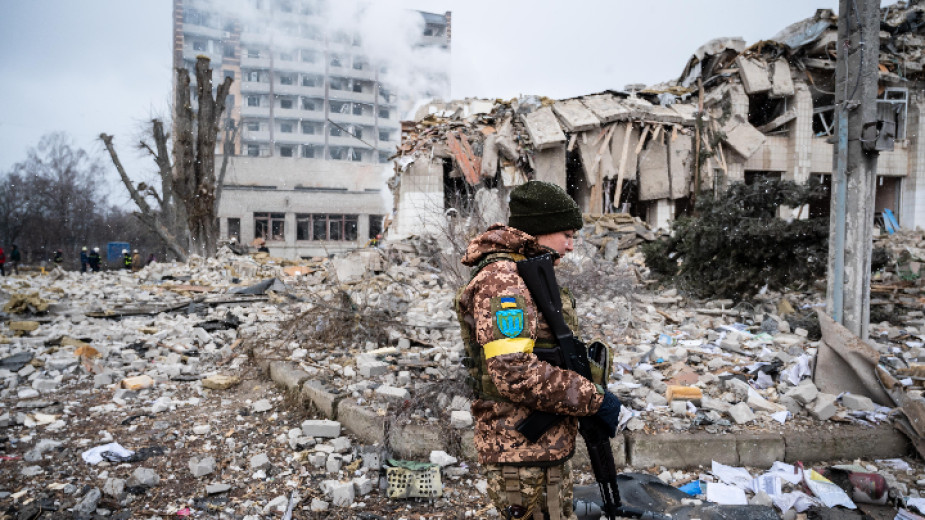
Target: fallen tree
x,y
736,244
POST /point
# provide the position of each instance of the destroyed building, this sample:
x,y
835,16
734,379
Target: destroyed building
x,y
318,117
736,113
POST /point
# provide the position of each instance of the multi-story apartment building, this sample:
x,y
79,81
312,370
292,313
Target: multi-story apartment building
x,y
318,117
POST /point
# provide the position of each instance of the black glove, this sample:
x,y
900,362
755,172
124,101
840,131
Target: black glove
x,y
609,413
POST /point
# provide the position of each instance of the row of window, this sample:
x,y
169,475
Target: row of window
x,y
311,151
313,226
316,128
311,80
315,104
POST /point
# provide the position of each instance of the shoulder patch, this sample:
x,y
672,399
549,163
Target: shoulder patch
x,y
508,316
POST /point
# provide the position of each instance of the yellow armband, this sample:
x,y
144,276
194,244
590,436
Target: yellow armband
x,y
507,346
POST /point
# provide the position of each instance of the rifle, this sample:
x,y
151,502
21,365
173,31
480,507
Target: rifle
x,y
540,277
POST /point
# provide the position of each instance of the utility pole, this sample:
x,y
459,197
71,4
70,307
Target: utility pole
x,y
855,171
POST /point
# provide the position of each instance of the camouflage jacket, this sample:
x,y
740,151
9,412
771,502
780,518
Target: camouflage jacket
x,y
486,305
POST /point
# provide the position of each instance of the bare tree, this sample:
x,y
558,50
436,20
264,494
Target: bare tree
x,y
194,153
187,203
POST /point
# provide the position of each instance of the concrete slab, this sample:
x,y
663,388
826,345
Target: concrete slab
x,y
743,138
781,82
617,445
680,164
754,75
654,182
680,450
415,441
287,375
320,398
616,150
595,155
606,107
575,116
845,442
760,451
688,113
544,129
549,165
362,421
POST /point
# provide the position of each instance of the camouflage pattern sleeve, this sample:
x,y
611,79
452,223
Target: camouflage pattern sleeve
x,y
522,377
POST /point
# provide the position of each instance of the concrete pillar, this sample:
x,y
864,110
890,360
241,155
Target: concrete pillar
x,y
912,211
289,232
738,100
420,199
223,227
854,181
362,229
801,136
247,227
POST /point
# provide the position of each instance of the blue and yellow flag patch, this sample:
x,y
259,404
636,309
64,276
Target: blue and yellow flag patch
x,y
509,319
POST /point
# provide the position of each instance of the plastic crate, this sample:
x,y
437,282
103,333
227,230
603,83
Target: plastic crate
x,y
407,483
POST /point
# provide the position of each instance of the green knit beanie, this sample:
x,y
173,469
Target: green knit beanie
x,y
540,208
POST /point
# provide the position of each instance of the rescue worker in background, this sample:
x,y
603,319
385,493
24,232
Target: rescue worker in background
x,y
84,259
58,258
94,260
126,259
501,326
136,261
15,258
2,262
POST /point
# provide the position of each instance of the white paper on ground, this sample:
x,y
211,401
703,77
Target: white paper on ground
x,y
786,472
739,477
917,503
899,464
797,500
795,374
726,494
781,416
770,484
827,492
95,455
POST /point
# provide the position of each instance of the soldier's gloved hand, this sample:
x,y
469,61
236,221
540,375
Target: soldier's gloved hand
x,y
609,413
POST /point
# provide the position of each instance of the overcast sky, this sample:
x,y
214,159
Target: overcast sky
x,y
105,65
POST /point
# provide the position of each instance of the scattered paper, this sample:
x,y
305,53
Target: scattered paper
x,y
739,477
899,464
796,500
726,494
797,372
826,491
781,417
95,455
770,484
786,472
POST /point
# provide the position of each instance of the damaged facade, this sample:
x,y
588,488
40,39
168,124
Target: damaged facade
x,y
735,114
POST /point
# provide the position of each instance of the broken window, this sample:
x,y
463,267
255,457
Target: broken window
x,y
253,126
384,135
326,227
252,75
308,104
234,228
357,86
359,65
308,127
287,79
309,56
253,101
286,151
310,80
335,131
286,128
892,106
253,53
769,113
335,60
253,150
383,113
199,45
286,103
340,107
228,51
751,177
270,226
308,151
339,83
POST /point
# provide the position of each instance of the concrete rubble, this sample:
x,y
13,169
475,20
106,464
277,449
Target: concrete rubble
x,y
377,360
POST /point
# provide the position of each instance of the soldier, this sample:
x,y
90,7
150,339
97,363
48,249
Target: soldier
x,y
501,326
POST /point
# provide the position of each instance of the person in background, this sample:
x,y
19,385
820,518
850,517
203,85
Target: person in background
x,y
136,261
84,259
58,259
94,260
2,262
151,259
126,260
15,258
